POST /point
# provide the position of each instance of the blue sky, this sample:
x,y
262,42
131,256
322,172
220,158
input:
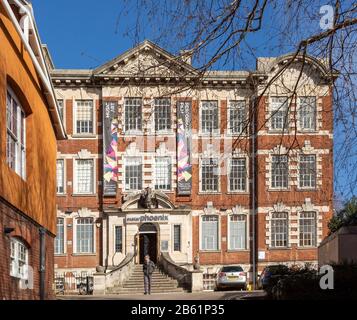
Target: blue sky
x,y
84,34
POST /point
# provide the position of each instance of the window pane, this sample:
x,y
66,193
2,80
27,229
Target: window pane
x,y
60,176
162,114
237,117
237,232
133,173
209,174
177,237
85,235
84,176
307,113
238,174
133,114
280,172
16,135
279,229
118,239
84,116
162,173
59,240
209,236
307,229
279,113
60,104
307,171
209,116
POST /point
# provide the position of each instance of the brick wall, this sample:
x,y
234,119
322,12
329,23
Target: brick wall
x,y
28,232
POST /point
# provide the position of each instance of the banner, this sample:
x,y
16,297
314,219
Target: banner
x,y
110,148
184,136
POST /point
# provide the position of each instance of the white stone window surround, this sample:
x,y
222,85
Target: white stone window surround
x,y
19,256
210,211
84,154
84,213
239,210
316,229
269,113
173,236
308,206
115,239
122,105
59,157
62,215
291,127
277,151
75,134
293,222
210,152
318,123
245,132
151,128
238,153
277,208
215,132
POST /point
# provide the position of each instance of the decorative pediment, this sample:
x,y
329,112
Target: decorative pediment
x,y
279,207
84,213
147,200
279,149
209,209
238,209
147,59
84,154
307,205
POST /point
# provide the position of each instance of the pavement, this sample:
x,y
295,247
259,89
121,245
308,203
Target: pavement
x,y
205,295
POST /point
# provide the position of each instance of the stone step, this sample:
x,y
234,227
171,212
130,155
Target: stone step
x,y
162,285
132,281
141,291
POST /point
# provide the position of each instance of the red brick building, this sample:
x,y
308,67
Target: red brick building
x,y
29,127
160,159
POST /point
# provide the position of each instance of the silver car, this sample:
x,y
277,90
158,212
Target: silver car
x,y
231,277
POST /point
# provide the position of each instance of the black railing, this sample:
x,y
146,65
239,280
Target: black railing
x,y
73,283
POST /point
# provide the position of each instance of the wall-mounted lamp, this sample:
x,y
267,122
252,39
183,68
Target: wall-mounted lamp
x,y
8,230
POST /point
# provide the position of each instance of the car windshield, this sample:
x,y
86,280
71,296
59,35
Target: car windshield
x,y
232,269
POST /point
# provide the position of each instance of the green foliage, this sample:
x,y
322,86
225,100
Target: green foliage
x,y
345,217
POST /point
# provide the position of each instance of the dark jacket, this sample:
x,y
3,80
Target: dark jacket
x,y
148,268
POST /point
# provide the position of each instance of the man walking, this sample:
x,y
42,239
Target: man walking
x,y
148,269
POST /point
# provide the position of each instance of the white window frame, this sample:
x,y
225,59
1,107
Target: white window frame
x,y
64,236
316,223
218,233
173,237
246,178
169,172
115,239
75,166
215,132
15,259
246,217
133,131
287,230
20,146
299,171
218,173
245,123
75,222
162,131
273,109
74,129
64,176
271,173
124,173
300,128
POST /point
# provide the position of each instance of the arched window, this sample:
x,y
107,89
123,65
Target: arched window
x,y
19,258
15,134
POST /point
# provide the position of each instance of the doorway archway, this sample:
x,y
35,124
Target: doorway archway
x,y
148,235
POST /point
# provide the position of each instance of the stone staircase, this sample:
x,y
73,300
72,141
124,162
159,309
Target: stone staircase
x,y
160,283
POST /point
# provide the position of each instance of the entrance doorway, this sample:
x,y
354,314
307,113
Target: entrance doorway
x,y
147,242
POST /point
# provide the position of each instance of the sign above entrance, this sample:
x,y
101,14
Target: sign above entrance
x,y
160,218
